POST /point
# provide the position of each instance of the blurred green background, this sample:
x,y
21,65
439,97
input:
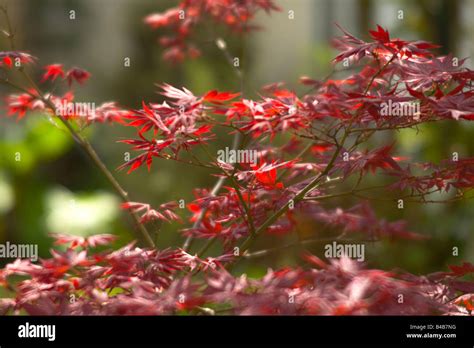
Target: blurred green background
x,y
55,188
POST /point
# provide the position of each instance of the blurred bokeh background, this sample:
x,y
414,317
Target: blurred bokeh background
x,y
55,188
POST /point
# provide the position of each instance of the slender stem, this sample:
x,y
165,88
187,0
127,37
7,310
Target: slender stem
x,y
314,183
206,247
298,197
244,204
79,139
9,27
221,45
217,186
300,155
265,252
346,193
89,149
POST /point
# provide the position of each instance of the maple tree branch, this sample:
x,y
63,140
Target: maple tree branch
x,y
300,155
89,149
265,252
210,242
244,204
78,138
355,192
206,246
298,197
217,186
10,35
314,183
236,143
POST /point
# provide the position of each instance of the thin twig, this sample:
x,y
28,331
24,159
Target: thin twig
x,y
79,139
314,183
221,45
265,252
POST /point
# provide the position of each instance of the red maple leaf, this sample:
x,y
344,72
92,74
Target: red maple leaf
x,y
53,71
219,97
76,74
380,34
464,269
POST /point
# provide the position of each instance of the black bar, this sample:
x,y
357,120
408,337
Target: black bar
x,y
194,331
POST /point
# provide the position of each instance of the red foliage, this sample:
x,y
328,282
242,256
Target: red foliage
x,y
79,282
321,136
165,212
183,20
53,72
9,59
